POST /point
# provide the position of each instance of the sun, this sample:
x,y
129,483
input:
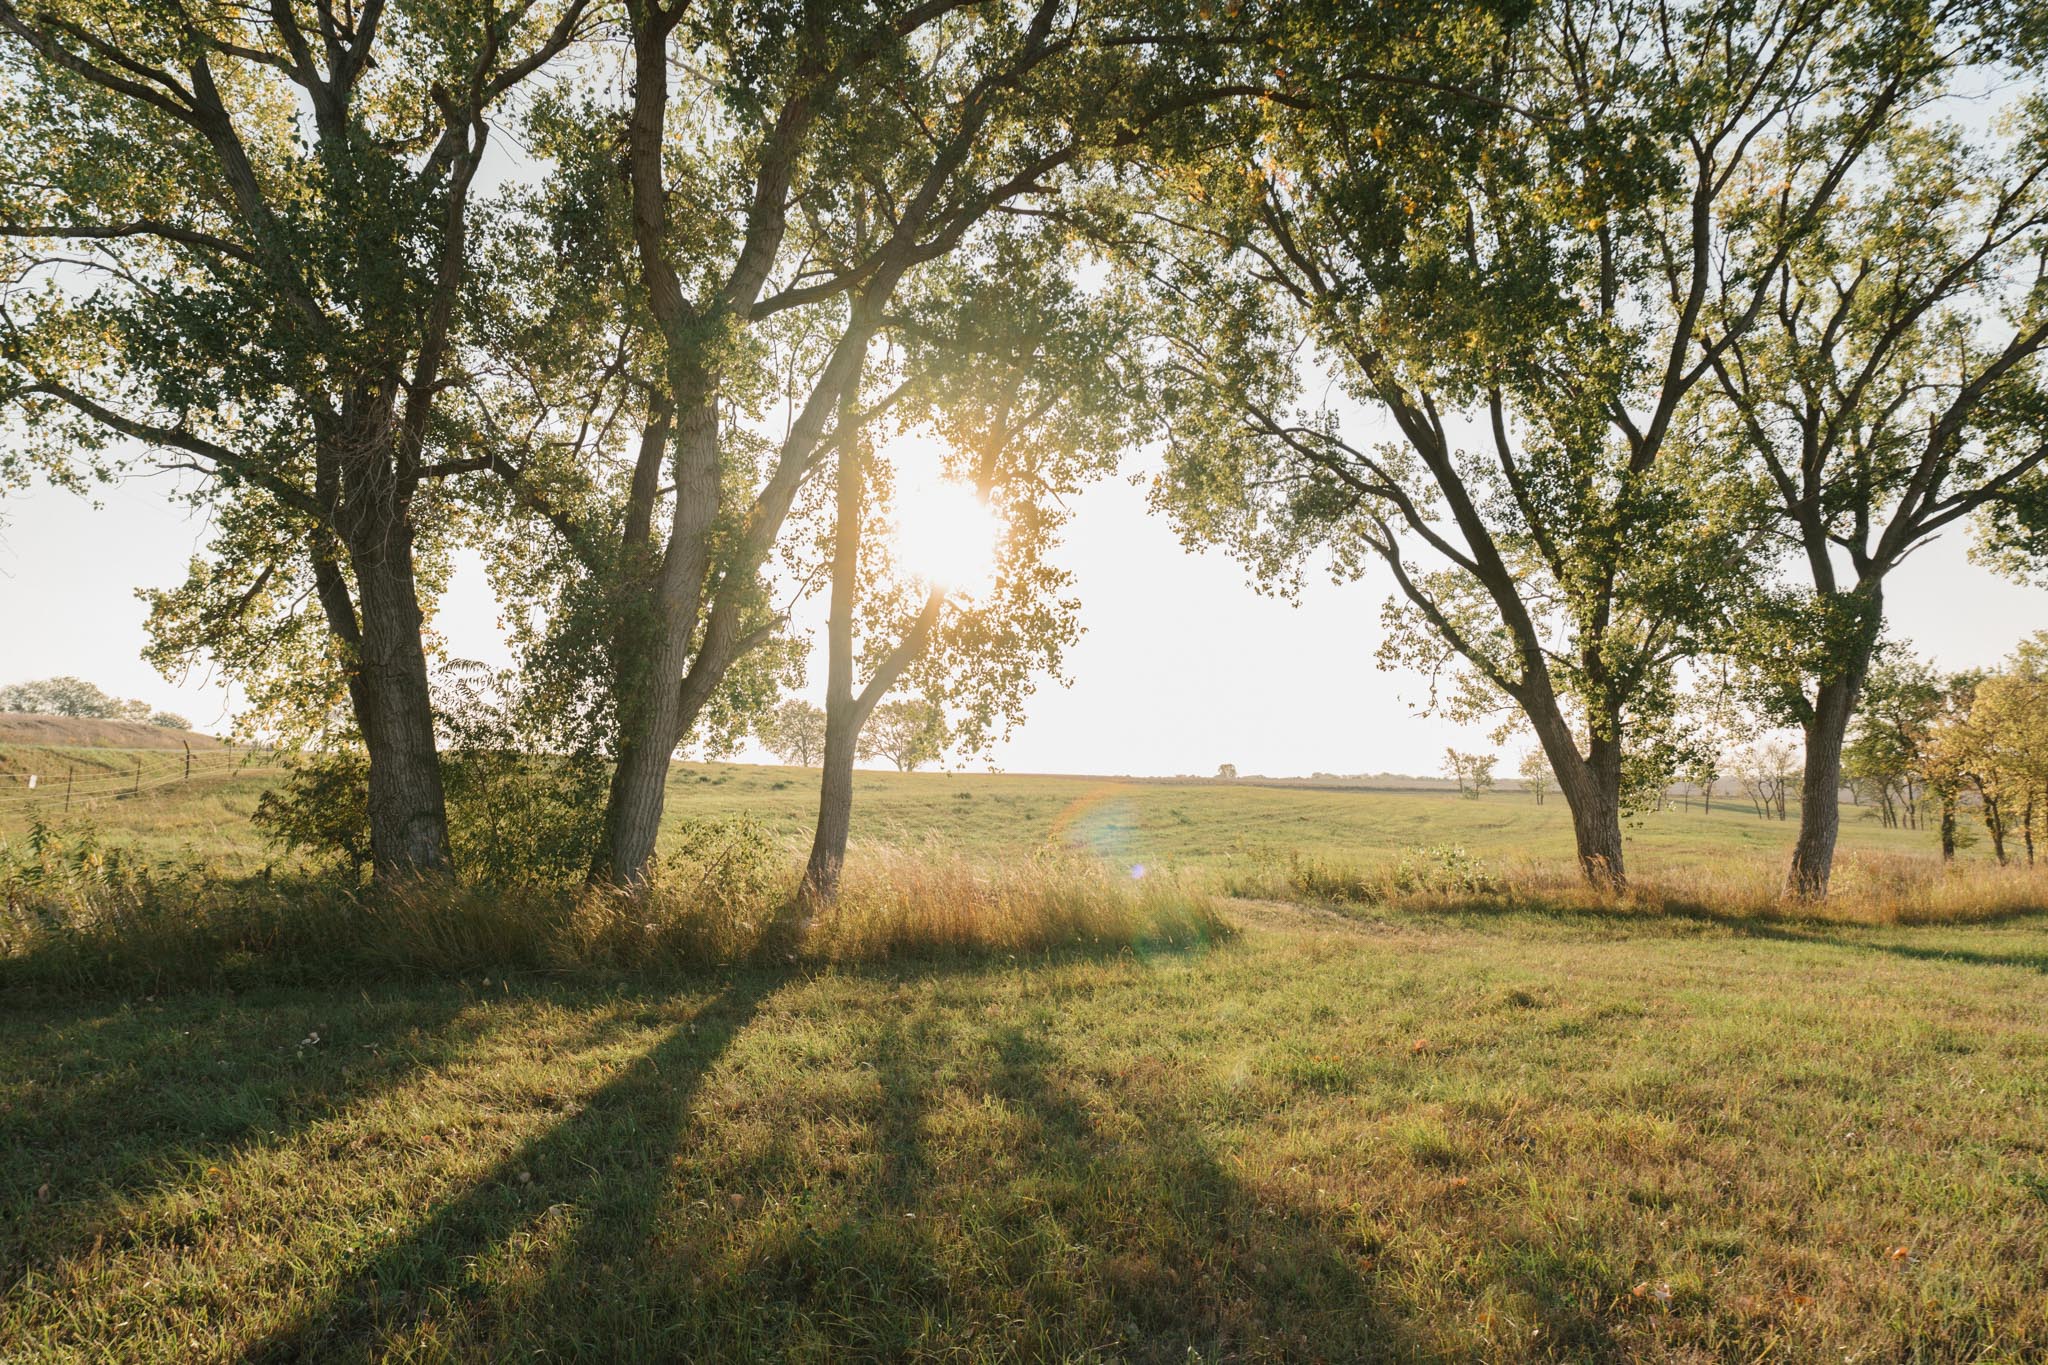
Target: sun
x,y
947,536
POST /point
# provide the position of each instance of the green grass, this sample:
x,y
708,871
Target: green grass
x,y
1490,1122
1162,824
1413,1136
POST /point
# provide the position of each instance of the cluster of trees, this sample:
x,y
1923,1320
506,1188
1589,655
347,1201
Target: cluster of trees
x,y
69,696
1929,748
1473,773
1619,335
909,732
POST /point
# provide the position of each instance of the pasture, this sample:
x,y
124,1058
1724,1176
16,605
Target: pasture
x,y
1466,1128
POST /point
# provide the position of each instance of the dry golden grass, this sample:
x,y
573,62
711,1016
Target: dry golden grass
x,y
1871,888
74,913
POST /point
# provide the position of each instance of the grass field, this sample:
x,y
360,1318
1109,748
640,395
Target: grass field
x,y
1431,1130
1156,823
1416,1137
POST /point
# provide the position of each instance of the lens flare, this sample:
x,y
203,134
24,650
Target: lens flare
x,y
947,536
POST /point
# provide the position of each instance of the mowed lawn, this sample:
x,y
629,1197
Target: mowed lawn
x,y
1405,1137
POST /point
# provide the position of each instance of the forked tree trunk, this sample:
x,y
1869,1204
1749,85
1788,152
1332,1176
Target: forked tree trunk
x,y
847,711
1994,823
377,619
654,641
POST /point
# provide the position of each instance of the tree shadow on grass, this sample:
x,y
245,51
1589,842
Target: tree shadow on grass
x,y
607,1162
973,1195
1976,957
113,1103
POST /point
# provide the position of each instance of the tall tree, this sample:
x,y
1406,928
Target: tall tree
x,y
1023,379
1509,252
799,161
1891,387
241,238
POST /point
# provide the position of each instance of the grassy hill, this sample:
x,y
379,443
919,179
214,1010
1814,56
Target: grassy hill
x,y
39,731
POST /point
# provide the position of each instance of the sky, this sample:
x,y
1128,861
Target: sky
x,y
1183,667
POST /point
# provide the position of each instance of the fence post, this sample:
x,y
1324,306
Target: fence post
x,y
138,776
188,760
67,785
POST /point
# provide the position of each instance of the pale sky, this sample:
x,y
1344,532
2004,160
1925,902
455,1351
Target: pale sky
x,y
1183,665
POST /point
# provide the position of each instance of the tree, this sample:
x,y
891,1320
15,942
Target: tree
x,y
63,696
782,169
1512,258
909,734
1020,378
1472,772
1767,771
69,696
2011,713
795,732
1892,388
1535,772
252,228
1887,746
1226,772
169,720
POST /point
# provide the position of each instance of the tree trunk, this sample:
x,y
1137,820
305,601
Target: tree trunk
x,y
835,813
653,642
408,811
1948,828
1834,703
844,714
1820,811
1994,822
847,712
1591,786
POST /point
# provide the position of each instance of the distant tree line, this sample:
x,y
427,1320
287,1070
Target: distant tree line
x,y
68,696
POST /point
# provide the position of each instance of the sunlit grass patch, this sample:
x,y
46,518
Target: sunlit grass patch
x,y
1869,887
74,913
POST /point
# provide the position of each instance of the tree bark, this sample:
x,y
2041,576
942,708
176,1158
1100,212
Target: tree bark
x,y
1591,786
654,643
1948,829
1994,822
843,712
847,712
1820,812
1827,726
395,709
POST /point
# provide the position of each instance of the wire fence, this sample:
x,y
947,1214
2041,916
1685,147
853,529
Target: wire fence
x,y
40,785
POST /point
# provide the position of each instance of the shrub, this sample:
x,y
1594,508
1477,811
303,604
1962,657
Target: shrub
x,y
322,810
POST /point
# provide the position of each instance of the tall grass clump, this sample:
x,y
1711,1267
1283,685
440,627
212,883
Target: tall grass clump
x,y
1438,871
74,914
896,902
1868,888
